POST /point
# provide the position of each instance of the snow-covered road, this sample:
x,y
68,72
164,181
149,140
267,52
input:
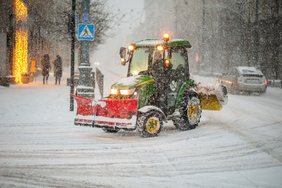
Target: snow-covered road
x,y
240,146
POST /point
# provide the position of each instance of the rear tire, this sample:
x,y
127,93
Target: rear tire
x,y
190,111
149,124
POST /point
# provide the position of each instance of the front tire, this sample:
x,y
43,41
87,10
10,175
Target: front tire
x,y
149,124
190,111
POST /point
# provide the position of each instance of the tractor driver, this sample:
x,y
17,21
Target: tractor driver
x,y
157,66
159,76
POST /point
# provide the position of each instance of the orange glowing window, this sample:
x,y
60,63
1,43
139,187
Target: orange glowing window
x,y
20,10
33,65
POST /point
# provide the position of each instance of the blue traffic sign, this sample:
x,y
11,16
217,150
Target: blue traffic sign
x,y
86,32
85,17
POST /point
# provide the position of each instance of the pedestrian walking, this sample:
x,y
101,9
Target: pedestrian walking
x,y
46,67
58,69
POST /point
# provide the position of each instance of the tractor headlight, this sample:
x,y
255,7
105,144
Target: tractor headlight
x,y
160,48
122,61
114,91
131,48
127,91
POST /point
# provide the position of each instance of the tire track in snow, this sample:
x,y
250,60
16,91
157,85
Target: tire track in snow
x,y
252,141
30,179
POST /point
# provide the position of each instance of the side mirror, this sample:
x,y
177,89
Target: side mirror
x,y
122,54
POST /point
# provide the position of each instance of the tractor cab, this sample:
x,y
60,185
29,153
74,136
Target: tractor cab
x,y
165,62
150,56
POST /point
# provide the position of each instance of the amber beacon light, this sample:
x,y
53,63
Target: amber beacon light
x,y
166,37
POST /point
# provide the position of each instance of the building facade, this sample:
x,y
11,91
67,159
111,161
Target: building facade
x,y
4,26
14,39
223,33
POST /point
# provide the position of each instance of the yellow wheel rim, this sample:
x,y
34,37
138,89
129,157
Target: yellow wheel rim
x,y
153,125
193,110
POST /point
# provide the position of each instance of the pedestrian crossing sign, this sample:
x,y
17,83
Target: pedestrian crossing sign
x,y
86,32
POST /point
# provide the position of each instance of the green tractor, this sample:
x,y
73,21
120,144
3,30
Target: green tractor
x,y
157,88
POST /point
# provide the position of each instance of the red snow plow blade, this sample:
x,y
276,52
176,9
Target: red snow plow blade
x,y
106,112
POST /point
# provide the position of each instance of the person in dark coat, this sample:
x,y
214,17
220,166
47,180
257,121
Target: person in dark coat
x,y
46,67
58,69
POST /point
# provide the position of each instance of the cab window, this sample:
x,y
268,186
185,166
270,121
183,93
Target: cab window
x,y
139,61
178,59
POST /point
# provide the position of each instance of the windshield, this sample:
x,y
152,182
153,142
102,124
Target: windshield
x,y
139,61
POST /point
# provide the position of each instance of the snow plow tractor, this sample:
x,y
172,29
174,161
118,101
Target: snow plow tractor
x,y
157,88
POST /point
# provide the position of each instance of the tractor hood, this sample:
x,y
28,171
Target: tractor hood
x,y
132,82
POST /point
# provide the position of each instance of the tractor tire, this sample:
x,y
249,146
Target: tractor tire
x,y
190,112
110,130
149,124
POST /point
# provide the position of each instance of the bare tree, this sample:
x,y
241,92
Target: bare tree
x,y
100,17
49,22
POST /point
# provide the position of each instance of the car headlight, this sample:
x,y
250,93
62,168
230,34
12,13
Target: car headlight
x,y
127,91
114,91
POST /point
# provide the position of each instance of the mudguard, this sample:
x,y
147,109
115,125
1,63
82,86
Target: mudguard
x,y
146,109
106,112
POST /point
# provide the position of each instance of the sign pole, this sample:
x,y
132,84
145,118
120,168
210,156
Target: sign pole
x,y
72,28
85,87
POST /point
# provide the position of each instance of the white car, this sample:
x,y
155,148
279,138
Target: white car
x,y
244,79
